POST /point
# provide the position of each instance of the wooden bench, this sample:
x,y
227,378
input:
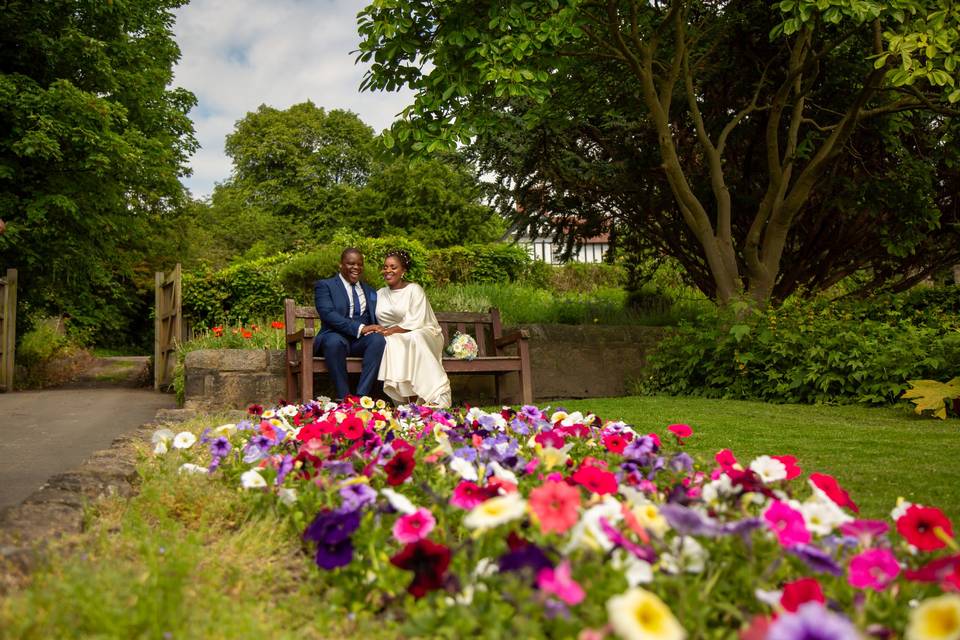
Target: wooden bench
x,y
303,324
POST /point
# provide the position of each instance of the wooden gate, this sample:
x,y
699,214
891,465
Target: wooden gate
x,y
168,327
8,328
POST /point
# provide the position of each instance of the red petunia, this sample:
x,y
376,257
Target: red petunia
x,y
614,442
352,427
790,462
596,480
255,409
550,438
830,486
800,591
936,570
399,468
428,561
920,525
725,459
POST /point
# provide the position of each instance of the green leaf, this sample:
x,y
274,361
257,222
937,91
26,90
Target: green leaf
x,y
739,331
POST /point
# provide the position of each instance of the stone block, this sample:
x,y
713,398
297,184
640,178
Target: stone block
x,y
202,359
243,360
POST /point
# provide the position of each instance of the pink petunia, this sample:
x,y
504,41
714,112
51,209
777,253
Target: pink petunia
x,y
556,506
864,530
790,462
873,569
414,526
787,523
560,583
468,495
681,431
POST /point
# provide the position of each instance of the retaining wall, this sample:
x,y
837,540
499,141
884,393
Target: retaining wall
x,y
568,361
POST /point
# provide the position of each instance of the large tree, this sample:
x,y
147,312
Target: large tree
x,y
751,125
92,145
312,171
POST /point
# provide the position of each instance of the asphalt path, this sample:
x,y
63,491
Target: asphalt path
x,y
43,433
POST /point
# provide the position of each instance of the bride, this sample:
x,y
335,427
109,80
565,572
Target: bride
x,y
411,368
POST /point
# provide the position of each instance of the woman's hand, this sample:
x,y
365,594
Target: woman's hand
x,y
389,331
371,328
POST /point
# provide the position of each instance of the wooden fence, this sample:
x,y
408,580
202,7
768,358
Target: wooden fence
x,y
8,328
168,326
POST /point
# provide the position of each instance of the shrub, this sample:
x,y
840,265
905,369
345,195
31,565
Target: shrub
x,y
479,263
242,291
803,352
46,357
587,278
299,273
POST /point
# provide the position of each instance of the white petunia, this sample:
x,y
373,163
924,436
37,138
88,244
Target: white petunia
x,y
189,467
464,469
161,439
588,532
769,469
184,440
287,496
901,509
715,491
503,474
398,501
822,515
496,511
252,480
635,570
289,410
686,554
225,430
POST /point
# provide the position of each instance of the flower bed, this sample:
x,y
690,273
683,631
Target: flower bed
x,y
537,523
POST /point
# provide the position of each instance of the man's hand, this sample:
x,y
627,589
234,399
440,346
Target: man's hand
x,y
371,328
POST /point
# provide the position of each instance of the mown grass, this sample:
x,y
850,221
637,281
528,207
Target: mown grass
x,y
189,558
877,454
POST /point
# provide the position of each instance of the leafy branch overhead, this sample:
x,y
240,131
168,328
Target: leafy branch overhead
x,y
930,395
758,143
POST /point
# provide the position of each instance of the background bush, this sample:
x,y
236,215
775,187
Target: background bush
x,y
808,352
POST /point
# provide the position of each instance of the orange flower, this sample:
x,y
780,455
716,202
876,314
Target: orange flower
x,y
276,324
246,334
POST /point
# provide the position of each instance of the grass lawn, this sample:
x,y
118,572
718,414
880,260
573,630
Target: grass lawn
x,y
189,558
876,454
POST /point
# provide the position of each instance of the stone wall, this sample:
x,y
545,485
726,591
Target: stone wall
x,y
568,361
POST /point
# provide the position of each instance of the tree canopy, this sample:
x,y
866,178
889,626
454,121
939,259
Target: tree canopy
x,y
767,146
307,171
92,145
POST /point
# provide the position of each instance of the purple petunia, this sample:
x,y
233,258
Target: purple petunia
x,y
529,556
681,462
332,527
817,559
220,447
639,448
285,467
337,554
356,496
812,621
338,467
690,522
467,453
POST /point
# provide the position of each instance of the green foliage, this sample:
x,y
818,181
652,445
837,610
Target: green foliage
x,y
803,352
92,146
298,274
933,396
375,250
483,263
242,291
42,342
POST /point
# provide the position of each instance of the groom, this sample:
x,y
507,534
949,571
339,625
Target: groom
x,y
348,315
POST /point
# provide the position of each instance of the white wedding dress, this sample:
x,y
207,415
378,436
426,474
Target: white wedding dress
x,y
411,365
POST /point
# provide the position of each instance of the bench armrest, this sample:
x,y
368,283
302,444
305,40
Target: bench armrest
x,y
512,338
293,338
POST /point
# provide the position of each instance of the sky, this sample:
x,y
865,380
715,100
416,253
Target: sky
x,y
239,54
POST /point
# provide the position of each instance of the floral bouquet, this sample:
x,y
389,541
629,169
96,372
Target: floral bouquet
x,y
543,523
462,347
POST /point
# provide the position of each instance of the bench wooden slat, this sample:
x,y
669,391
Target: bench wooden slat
x,y
492,360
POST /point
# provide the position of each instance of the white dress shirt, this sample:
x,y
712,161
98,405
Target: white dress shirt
x,y
363,299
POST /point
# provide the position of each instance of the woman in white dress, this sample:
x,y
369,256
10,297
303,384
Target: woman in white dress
x,y
411,368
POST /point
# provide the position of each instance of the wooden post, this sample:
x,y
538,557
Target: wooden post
x,y
167,325
8,328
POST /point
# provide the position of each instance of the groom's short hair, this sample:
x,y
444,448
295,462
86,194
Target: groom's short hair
x,y
348,251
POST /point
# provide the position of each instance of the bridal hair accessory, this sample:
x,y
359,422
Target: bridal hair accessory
x,y
463,347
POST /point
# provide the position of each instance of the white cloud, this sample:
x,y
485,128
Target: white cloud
x,y
239,54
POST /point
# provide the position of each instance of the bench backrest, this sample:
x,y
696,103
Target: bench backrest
x,y
484,327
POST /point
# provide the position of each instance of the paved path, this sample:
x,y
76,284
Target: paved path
x,y
43,433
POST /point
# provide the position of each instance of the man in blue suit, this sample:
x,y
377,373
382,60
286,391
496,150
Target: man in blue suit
x,y
348,315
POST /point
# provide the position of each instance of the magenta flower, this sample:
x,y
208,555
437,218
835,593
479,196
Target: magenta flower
x,y
560,583
414,527
873,569
787,523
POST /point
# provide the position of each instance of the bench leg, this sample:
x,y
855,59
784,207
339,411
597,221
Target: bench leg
x,y
526,384
496,388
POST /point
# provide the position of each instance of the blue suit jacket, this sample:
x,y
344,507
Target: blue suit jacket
x,y
333,306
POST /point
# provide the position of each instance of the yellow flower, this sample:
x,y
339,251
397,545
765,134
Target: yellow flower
x,y
380,404
640,615
552,457
367,402
936,619
650,519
